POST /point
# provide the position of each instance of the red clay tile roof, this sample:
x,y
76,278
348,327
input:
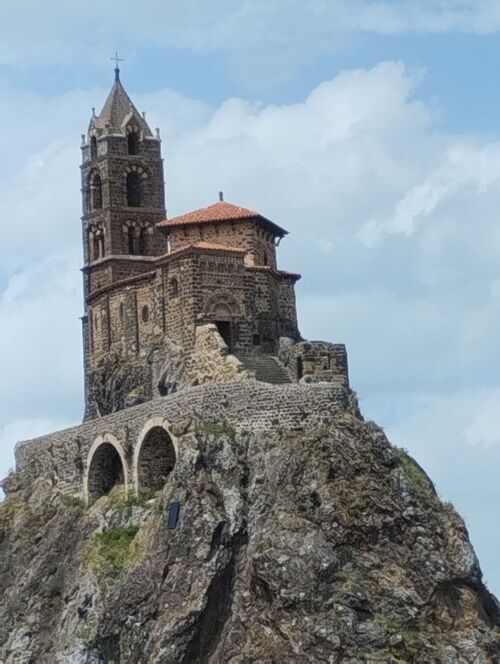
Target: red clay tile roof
x,y
202,245
220,211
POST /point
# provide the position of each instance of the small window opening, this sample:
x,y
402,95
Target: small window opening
x,y
145,314
95,248
174,288
93,148
131,240
133,142
134,190
121,313
96,192
141,243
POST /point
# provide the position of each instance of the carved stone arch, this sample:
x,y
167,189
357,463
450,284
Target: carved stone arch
x,y
134,137
137,186
135,241
222,303
106,466
155,455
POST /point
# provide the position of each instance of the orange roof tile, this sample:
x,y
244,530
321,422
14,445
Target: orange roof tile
x,y
203,246
220,211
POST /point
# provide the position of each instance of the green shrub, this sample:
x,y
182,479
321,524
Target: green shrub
x,y
113,550
132,500
217,429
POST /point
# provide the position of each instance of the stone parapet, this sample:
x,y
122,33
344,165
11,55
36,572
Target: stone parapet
x,y
62,457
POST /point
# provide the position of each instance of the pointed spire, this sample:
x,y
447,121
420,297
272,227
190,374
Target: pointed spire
x,y
118,110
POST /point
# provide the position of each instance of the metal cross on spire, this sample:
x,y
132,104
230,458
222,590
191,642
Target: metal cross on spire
x,y
117,68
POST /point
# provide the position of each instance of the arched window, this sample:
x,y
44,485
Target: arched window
x,y
93,148
96,192
145,313
173,288
134,190
141,243
133,142
131,240
95,247
121,313
155,461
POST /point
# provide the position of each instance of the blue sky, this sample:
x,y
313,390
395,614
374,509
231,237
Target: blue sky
x,y
369,129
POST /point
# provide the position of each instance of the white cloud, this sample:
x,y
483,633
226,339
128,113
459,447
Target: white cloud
x,y
262,40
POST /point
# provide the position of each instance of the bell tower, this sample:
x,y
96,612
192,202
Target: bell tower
x,y
122,182
123,197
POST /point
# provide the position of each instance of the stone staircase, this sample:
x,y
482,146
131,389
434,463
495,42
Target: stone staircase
x,y
267,368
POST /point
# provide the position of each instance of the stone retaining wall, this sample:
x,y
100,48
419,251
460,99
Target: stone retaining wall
x,y
63,457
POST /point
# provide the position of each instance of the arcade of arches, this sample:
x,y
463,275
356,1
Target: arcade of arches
x,y
154,461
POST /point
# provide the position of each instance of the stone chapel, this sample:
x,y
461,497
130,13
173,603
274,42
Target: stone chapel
x,y
153,284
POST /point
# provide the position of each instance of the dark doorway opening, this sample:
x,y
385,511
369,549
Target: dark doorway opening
x,y
224,329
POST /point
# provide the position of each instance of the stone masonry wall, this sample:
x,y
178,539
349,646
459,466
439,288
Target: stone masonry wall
x,y
61,458
257,241
314,361
211,361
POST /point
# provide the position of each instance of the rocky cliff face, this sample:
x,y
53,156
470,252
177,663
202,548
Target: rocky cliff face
x,y
298,546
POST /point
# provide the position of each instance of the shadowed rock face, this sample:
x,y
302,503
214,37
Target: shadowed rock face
x,y
296,546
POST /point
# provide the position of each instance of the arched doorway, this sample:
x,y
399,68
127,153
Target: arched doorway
x,y
105,470
154,461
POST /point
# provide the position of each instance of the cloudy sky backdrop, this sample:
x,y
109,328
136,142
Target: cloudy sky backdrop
x,y
369,129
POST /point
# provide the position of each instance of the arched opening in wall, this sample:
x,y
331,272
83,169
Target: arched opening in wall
x,y
133,142
96,192
155,461
134,190
93,148
131,240
173,289
145,313
105,471
141,242
95,247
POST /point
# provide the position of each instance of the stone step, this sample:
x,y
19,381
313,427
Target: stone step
x,y
267,368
